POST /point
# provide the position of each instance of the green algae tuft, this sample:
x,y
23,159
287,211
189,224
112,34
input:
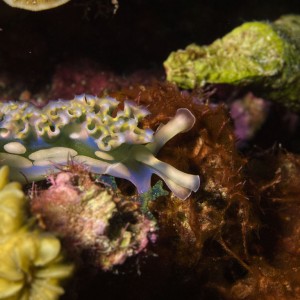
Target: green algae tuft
x,y
263,55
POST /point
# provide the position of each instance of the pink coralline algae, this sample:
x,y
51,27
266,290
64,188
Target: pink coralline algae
x,y
92,219
85,76
249,113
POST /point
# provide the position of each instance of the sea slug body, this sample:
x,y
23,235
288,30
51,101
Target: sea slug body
x,y
95,132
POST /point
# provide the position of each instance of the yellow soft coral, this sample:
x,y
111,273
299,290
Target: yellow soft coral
x,y
31,263
12,202
31,268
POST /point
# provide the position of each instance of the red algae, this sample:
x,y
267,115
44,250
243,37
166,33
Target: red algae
x,y
240,229
87,77
209,150
84,77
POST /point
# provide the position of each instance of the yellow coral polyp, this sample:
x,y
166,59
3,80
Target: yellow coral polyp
x,y
12,201
31,265
31,268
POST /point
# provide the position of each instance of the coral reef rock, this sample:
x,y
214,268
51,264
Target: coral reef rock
x,y
93,220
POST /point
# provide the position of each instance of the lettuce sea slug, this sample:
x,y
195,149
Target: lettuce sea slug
x,y
92,131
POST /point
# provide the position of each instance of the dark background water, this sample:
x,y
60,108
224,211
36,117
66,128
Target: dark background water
x,y
140,35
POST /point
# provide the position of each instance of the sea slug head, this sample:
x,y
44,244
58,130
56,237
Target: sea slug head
x,y
142,163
